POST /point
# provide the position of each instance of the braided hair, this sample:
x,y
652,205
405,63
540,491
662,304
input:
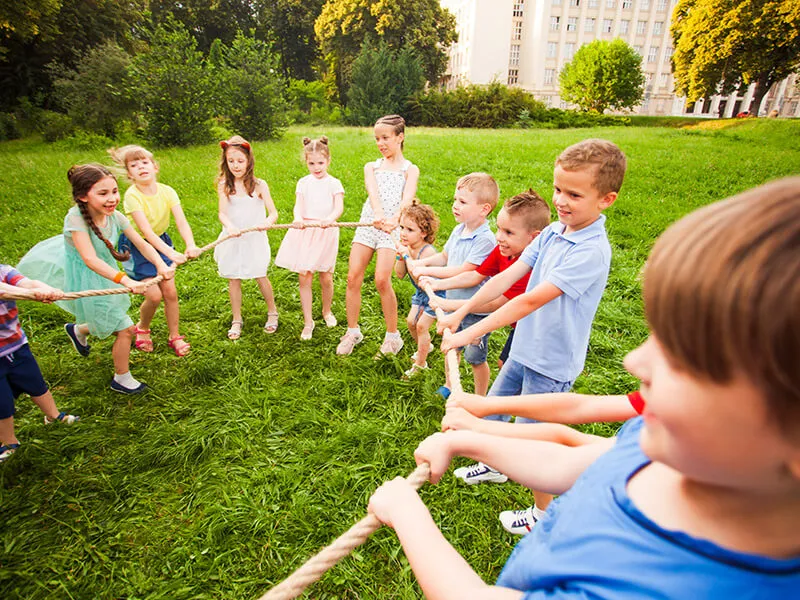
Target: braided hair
x,y
82,178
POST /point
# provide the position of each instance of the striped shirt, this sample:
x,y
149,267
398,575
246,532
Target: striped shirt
x,y
12,338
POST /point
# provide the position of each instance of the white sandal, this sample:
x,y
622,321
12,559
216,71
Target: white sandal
x,y
235,332
271,327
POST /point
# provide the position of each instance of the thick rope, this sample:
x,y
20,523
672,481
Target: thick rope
x,y
317,565
25,294
451,356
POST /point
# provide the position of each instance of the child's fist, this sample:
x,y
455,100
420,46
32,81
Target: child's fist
x,y
435,450
45,293
391,498
192,252
458,418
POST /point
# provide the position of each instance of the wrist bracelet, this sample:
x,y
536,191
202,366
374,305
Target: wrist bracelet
x,y
118,277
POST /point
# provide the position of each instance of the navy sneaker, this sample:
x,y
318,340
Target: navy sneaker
x,y
118,387
82,349
444,391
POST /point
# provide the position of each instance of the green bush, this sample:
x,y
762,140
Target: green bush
x,y
174,88
9,127
382,82
54,126
310,104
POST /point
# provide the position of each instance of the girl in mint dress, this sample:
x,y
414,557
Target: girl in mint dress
x,y
84,258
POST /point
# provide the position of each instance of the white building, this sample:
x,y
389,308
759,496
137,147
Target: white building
x,y
527,42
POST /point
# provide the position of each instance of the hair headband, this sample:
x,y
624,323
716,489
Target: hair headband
x,y
225,144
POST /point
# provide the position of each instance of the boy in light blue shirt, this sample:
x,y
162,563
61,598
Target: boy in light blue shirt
x,y
568,264
467,247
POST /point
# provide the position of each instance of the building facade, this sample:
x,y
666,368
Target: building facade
x,y
526,43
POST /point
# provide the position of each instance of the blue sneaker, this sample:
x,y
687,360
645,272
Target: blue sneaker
x,y
444,392
82,349
118,387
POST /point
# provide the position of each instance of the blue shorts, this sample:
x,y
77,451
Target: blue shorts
x,y
515,379
475,354
420,298
507,348
19,374
137,266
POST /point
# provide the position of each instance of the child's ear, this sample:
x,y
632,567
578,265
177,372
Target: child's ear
x,y
608,200
486,209
535,233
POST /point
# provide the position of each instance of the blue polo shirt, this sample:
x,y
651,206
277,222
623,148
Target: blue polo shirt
x,y
553,339
594,542
472,247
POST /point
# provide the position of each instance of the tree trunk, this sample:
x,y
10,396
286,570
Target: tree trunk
x,y
762,87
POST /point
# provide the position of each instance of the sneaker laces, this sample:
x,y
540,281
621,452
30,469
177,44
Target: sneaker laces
x,y
523,518
479,469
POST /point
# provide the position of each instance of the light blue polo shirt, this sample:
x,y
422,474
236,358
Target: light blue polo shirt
x,y
472,247
553,339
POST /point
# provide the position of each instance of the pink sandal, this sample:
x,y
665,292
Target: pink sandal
x,y
143,345
179,346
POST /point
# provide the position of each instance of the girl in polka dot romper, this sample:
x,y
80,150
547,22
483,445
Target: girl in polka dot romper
x,y
391,183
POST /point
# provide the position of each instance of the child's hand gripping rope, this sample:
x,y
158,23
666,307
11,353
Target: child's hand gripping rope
x,y
451,356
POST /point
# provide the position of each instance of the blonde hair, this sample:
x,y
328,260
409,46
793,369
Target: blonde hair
x,y
424,217
319,146
226,177
531,207
605,157
722,291
483,186
126,154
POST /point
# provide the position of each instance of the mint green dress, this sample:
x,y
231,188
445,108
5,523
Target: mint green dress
x,y
56,262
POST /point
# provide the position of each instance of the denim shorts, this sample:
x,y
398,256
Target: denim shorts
x,y
420,298
475,354
515,379
19,374
137,266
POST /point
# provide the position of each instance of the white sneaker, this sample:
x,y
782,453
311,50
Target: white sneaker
x,y
348,341
518,522
307,332
415,368
391,345
330,320
479,473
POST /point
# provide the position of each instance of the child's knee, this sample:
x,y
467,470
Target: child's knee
x,y
154,293
127,333
422,328
355,279
169,292
383,283
411,323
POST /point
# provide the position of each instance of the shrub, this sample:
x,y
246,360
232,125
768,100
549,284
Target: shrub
x,y
9,127
310,104
382,82
173,88
54,126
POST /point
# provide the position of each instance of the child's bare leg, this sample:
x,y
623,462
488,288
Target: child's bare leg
x,y
326,285
235,293
383,283
47,404
306,298
82,329
423,337
481,375
172,310
360,256
542,500
152,298
411,320
121,350
266,290
7,431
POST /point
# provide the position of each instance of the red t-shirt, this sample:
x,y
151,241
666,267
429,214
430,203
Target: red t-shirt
x,y
496,263
637,402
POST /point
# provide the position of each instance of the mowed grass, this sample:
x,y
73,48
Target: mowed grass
x,y
247,457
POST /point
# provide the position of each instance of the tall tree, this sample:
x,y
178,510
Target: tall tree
x,y
422,25
603,75
289,25
722,44
208,20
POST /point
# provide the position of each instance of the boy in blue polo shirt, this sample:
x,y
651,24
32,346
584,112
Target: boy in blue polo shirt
x,y
568,264
467,247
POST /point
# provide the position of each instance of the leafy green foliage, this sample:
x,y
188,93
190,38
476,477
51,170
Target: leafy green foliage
x,y
603,75
97,93
309,103
9,126
173,88
382,82
54,126
289,25
207,20
722,44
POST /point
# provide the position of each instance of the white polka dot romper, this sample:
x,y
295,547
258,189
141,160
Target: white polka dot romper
x,y
390,193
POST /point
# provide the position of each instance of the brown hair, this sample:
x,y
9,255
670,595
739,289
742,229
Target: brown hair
x,y
531,207
320,146
605,157
483,185
82,178
424,217
225,174
722,291
126,154
396,122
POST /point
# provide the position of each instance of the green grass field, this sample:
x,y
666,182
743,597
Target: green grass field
x,y
247,457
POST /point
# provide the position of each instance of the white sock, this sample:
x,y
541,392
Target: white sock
x,y
126,380
82,337
354,330
538,513
392,336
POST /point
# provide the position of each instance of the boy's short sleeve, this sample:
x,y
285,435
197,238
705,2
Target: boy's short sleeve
x,y
479,250
491,266
531,252
171,197
448,246
580,269
10,275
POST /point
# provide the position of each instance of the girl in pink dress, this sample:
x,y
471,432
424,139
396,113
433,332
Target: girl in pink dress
x,y
320,199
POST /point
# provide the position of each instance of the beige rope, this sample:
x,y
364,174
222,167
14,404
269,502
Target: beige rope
x,y
451,357
25,294
317,565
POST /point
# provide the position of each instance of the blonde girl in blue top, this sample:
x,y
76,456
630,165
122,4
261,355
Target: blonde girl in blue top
x,y
85,258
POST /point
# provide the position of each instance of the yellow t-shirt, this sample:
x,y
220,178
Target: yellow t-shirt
x,y
157,209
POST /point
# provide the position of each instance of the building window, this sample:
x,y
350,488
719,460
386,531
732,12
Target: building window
x,y
556,2
623,26
513,58
549,74
588,25
663,80
513,76
638,50
645,5
574,2
611,3
569,50
668,55
658,27
641,26
626,4
518,30
592,3
652,55
608,25
518,8
552,49
662,5
572,23
555,23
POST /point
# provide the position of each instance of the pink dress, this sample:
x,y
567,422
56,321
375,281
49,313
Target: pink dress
x,y
313,249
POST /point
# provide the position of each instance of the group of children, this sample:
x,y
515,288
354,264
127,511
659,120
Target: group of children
x,y
706,482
